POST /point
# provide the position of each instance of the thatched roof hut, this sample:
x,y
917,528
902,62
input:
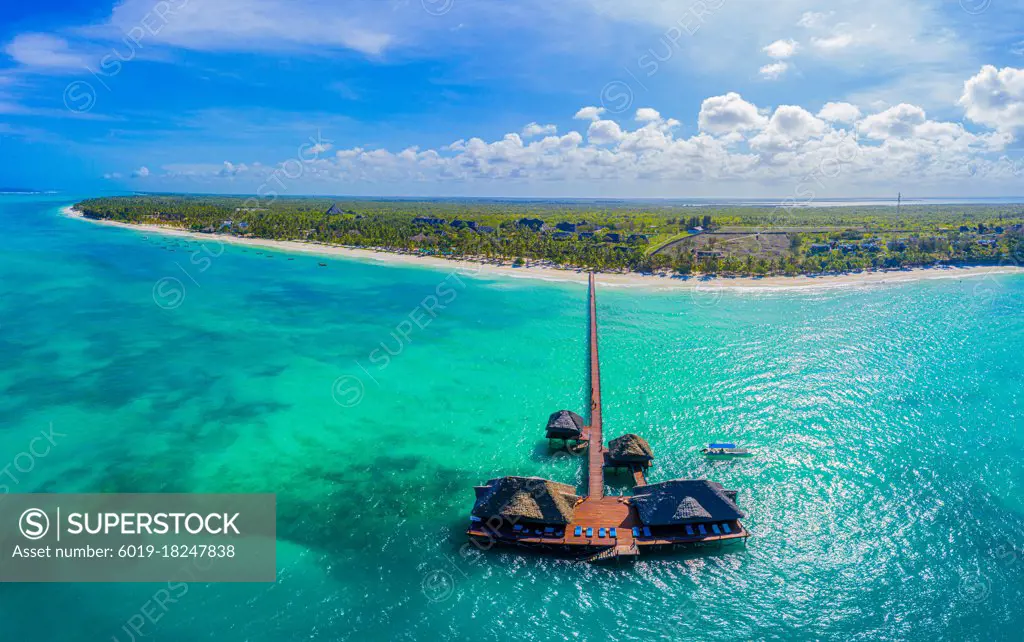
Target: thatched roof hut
x,y
686,501
629,449
526,499
565,424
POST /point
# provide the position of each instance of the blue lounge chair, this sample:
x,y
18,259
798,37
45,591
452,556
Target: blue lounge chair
x,y
647,532
636,532
590,532
549,530
578,531
560,533
537,532
715,529
703,531
728,531
613,533
689,530
517,527
600,532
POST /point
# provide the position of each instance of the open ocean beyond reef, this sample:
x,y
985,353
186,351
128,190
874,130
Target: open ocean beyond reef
x,y
886,498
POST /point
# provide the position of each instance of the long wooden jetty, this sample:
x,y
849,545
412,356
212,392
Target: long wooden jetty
x,y
595,447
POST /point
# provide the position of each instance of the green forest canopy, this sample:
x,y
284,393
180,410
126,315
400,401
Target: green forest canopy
x,y
604,234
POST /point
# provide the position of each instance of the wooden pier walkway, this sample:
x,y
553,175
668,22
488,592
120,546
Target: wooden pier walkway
x,y
595,448
639,478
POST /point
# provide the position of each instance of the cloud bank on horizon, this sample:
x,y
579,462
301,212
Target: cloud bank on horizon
x,y
589,98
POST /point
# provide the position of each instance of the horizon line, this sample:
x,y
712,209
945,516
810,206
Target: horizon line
x,y
1008,200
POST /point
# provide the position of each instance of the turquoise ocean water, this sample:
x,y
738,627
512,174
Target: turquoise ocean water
x,y
886,498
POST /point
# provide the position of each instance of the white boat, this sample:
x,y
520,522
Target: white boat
x,y
726,451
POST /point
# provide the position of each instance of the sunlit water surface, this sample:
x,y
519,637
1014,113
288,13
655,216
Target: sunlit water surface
x,y
885,498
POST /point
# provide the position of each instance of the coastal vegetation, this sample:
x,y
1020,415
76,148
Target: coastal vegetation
x,y
608,235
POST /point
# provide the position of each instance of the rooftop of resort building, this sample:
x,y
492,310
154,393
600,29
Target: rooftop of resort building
x,y
565,424
428,220
629,449
530,499
685,501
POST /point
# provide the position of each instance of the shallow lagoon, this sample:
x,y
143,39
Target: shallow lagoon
x,y
885,498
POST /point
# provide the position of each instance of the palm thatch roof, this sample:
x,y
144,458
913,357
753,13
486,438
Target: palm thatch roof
x,y
629,449
565,424
529,499
685,501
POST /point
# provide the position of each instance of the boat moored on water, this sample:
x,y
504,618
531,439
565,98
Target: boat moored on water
x,y
726,451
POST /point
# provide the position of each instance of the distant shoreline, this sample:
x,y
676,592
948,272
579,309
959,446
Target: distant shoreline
x,y
575,275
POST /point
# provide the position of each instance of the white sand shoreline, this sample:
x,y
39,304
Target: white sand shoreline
x,y
631,279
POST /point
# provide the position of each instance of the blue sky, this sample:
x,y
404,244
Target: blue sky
x,y
589,98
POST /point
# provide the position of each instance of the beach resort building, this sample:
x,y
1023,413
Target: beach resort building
x,y
534,224
428,220
507,501
669,508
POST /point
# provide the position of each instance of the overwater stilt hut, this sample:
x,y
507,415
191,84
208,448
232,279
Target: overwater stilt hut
x,y
566,426
631,452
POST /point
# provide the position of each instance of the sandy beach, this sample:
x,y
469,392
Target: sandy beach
x,y
546,273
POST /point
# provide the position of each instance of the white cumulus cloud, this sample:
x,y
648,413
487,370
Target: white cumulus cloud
x,y
839,113
782,49
728,113
603,132
589,113
533,129
788,128
995,98
647,115
895,122
774,70
740,148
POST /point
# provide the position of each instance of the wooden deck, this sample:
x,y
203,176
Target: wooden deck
x,y
595,449
639,478
603,514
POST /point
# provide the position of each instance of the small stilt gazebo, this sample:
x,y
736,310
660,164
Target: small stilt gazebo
x,y
566,426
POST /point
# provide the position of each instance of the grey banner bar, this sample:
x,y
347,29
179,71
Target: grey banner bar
x,y
138,538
